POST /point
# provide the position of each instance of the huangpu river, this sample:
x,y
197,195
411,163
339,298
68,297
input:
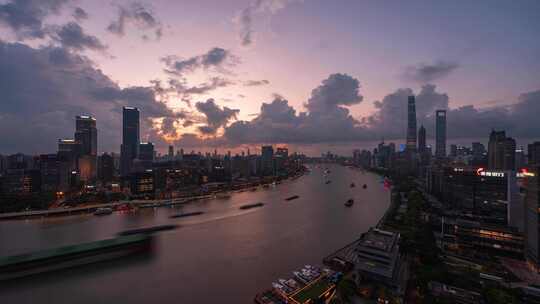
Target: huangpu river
x,y
225,255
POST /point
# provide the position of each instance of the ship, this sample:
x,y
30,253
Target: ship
x,y
290,198
186,214
249,206
23,265
364,186
349,202
103,211
148,229
353,185
328,182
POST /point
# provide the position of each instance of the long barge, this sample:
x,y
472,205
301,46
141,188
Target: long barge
x,y
23,265
249,206
148,229
186,214
292,198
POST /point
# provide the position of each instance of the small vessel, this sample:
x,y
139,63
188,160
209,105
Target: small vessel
x,y
249,206
223,196
349,202
364,186
328,182
266,186
353,185
187,214
148,229
103,211
290,198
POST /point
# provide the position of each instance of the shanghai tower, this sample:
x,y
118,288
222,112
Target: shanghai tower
x,y
411,125
130,139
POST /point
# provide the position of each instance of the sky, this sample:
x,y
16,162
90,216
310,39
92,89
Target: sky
x,y
239,73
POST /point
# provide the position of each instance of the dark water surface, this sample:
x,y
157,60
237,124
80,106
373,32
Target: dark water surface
x,y
225,255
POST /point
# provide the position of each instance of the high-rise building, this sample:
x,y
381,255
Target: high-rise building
x,y
86,136
422,139
106,168
130,139
440,133
533,154
68,155
171,152
532,228
501,151
411,124
267,160
146,151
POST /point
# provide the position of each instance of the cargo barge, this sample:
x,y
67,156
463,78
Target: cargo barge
x,y
251,206
23,265
148,229
187,214
292,198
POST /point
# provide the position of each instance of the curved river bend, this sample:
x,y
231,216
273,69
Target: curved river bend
x,y
225,255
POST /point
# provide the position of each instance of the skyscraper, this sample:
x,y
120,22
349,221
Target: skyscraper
x,y
411,124
532,228
440,133
501,151
86,136
130,139
171,152
533,153
422,139
267,160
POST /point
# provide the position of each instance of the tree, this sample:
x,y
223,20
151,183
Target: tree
x,y
346,289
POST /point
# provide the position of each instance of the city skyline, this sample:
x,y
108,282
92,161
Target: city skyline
x,y
227,90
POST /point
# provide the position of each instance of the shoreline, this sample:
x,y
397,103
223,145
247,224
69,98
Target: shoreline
x,y
60,212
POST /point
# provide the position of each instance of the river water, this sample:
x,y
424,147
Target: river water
x,y
225,255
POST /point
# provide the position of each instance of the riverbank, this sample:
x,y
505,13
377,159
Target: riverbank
x,y
135,204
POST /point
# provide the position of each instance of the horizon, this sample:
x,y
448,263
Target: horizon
x,y
231,85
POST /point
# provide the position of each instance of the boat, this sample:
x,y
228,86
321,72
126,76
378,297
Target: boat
x,y
353,185
328,182
290,198
223,196
266,186
23,265
364,186
103,211
148,229
249,206
349,202
186,214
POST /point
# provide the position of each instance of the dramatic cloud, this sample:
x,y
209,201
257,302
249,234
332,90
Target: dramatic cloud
x,y
216,58
216,117
25,17
80,14
327,119
43,89
71,35
255,83
425,73
390,120
256,9
139,16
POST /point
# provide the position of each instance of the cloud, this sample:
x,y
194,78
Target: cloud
x,y
43,89
255,10
216,117
25,17
216,58
327,119
255,83
429,72
80,14
71,35
138,15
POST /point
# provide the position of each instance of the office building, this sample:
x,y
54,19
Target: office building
x,y
68,155
440,134
49,166
532,228
533,154
501,151
411,125
130,139
106,168
422,140
378,258
86,136
267,160
171,153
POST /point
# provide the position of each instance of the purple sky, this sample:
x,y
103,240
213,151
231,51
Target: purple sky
x,y
226,73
